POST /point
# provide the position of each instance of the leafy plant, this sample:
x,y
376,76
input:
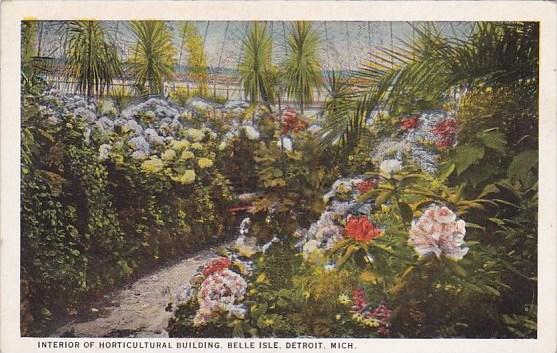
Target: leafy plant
x,y
197,60
255,65
153,56
302,68
92,59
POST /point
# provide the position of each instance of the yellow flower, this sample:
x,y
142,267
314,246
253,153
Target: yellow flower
x,y
168,155
179,145
195,134
187,155
268,322
152,165
344,299
196,146
204,163
187,178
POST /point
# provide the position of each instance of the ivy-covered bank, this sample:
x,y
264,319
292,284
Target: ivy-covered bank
x,y
107,194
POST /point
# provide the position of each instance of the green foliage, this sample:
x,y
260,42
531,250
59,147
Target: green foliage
x,y
255,65
90,224
197,60
153,56
92,59
302,68
182,95
421,74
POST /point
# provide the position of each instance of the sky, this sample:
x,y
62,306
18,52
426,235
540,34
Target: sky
x,y
344,45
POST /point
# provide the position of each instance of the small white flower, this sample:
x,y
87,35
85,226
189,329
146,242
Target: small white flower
x,y
286,143
250,132
390,166
104,150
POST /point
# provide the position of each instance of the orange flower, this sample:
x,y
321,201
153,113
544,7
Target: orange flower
x,y
361,229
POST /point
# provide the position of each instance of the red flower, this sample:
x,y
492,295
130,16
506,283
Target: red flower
x,y
361,229
383,314
445,131
410,122
291,122
358,300
216,265
366,185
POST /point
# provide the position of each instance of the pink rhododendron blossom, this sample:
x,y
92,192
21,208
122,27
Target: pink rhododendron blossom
x,y
219,293
439,232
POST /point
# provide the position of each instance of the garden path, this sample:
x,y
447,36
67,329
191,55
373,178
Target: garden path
x,y
139,309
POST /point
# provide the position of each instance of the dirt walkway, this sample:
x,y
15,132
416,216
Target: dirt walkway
x,y
138,310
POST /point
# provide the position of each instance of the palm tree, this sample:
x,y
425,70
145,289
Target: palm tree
x,y
92,59
302,67
152,59
256,73
421,73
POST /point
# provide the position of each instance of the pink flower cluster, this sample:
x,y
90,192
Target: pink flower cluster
x,y
439,232
445,132
220,293
381,314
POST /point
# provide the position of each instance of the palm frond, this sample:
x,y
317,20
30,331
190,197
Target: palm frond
x,y
421,73
153,56
92,59
255,67
302,68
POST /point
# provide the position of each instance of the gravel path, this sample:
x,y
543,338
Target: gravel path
x,y
139,309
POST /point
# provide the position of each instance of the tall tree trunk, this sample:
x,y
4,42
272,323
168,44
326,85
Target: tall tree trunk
x,y
40,39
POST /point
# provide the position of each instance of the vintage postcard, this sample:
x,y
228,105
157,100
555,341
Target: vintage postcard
x,y
278,176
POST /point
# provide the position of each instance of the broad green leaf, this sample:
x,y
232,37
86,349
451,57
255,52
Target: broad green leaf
x,y
446,170
489,189
522,163
495,140
466,155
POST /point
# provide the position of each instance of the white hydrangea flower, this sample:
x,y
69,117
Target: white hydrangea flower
x,y
251,133
390,166
286,143
139,143
195,135
104,151
139,155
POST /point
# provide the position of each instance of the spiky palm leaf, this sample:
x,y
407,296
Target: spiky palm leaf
x,y
302,67
255,65
153,56
92,59
422,73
